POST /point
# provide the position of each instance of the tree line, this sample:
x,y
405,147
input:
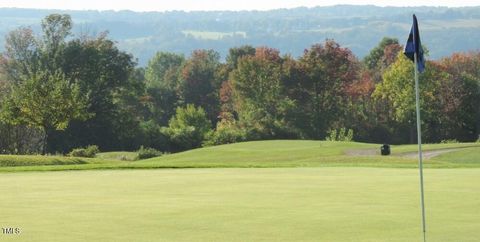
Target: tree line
x,y
60,92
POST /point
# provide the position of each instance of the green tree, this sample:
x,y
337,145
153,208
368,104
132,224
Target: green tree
x,y
56,28
16,139
259,95
162,81
163,70
21,56
46,101
41,94
373,59
104,74
26,55
234,55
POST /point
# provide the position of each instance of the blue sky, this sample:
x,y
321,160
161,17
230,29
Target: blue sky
x,y
191,5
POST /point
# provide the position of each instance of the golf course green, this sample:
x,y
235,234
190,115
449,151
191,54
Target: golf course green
x,y
271,204
253,191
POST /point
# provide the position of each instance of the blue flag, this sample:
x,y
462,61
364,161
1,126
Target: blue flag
x,y
415,46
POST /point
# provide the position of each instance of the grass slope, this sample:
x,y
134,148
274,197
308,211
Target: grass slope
x,y
38,160
276,153
295,204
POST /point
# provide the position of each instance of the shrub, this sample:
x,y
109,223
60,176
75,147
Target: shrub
x,y
332,135
188,128
153,137
145,153
89,151
227,132
341,135
449,141
349,136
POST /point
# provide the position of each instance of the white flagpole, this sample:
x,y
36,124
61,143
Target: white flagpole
x,y
419,139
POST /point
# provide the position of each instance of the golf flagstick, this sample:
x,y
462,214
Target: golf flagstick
x,y
414,51
419,139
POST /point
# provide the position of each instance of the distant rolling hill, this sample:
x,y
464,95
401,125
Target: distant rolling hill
x,y
360,28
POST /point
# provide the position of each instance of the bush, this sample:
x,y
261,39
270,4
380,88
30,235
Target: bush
x,y
89,151
145,153
449,141
341,135
153,137
226,133
188,128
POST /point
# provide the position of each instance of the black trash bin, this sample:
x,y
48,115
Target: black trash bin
x,y
385,149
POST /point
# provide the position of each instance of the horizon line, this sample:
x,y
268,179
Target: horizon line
x,y
238,10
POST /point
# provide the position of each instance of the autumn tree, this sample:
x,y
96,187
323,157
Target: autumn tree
x,y
328,71
465,71
370,118
441,98
200,83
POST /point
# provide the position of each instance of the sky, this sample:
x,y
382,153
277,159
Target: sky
x,y
193,5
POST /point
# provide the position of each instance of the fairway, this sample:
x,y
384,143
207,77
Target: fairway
x,y
259,154
235,204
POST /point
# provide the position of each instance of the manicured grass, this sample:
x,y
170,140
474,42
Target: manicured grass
x,y
276,153
467,155
301,153
399,149
294,204
118,155
38,160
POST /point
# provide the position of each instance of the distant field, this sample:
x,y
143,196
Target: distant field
x,y
261,154
280,204
208,35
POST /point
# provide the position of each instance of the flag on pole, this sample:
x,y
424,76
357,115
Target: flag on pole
x,y
414,51
414,46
